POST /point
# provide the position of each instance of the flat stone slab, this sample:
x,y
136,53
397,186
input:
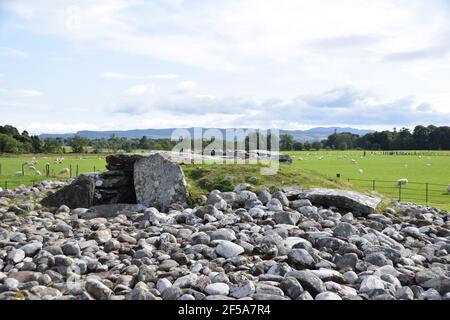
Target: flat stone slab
x,y
356,202
111,210
159,182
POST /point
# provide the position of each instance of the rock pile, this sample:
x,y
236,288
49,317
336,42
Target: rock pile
x,y
239,245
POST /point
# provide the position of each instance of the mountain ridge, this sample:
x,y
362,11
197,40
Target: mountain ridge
x,y
313,134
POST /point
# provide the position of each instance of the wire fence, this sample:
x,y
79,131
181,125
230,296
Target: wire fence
x,y
49,174
418,192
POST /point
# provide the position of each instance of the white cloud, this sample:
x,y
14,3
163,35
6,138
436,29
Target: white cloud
x,y
187,86
13,52
28,93
140,90
263,52
125,76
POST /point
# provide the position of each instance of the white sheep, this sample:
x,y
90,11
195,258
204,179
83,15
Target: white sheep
x,y
429,165
321,158
38,173
354,161
63,171
361,171
401,182
18,173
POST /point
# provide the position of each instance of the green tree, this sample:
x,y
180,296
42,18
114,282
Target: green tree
x,y
317,145
8,144
78,144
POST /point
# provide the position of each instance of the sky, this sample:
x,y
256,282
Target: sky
x,y
292,64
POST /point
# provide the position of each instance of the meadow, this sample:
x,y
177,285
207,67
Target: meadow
x,y
428,173
10,165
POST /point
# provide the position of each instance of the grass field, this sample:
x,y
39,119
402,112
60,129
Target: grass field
x,y
309,169
12,164
433,169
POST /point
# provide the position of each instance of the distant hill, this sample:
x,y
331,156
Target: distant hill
x,y
313,134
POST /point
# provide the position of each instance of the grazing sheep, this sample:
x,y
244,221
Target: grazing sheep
x,y
38,173
32,168
429,165
401,182
18,173
321,158
63,171
361,171
354,161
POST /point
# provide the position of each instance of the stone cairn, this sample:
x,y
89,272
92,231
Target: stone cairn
x,y
131,179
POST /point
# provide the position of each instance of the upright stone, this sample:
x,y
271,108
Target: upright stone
x,y
78,194
158,182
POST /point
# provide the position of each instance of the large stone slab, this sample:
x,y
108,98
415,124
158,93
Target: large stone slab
x,y
122,161
79,194
159,182
356,202
112,210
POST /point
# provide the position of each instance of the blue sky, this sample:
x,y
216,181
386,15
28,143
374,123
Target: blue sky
x,y
293,64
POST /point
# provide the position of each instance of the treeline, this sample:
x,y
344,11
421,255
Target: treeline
x,y
421,138
12,141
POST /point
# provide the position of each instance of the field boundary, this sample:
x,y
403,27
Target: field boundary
x,y
418,192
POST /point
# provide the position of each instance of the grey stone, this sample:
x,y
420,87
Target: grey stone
x,y
356,202
32,248
371,283
218,288
309,281
79,194
300,259
291,218
16,255
242,290
159,182
328,296
229,249
98,290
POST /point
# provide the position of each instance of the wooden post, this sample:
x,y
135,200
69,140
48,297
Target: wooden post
x,y
23,169
373,185
426,193
400,192
77,170
0,169
70,171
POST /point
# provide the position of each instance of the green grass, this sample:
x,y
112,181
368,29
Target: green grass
x,y
12,164
384,169
207,177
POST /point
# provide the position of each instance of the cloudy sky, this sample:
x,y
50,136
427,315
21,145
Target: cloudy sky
x,y
292,64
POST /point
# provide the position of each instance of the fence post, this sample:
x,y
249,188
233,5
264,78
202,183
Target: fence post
x,y
426,193
94,169
0,169
348,180
400,192
6,184
373,185
23,169
70,170
77,170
